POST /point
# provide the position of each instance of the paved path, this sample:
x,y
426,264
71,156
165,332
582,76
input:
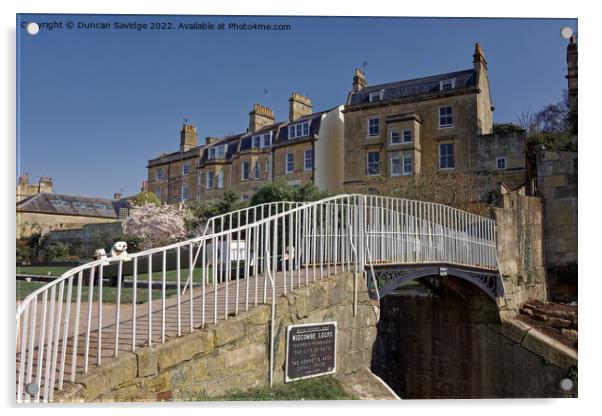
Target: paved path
x,y
102,343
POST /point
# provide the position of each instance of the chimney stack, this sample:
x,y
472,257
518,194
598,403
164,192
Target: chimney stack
x,y
260,117
299,106
45,184
24,179
359,80
478,59
571,73
188,137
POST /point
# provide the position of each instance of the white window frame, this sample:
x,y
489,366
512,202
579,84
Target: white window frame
x,y
376,96
453,154
184,190
501,159
298,130
268,142
391,171
451,115
257,169
244,173
404,155
403,136
368,163
258,139
186,169
210,179
370,119
305,159
220,179
286,162
451,82
399,137
159,174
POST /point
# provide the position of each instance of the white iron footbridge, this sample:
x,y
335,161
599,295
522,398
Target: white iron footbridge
x,y
244,258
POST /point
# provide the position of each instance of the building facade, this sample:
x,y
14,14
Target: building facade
x,y
45,212
173,176
305,148
427,126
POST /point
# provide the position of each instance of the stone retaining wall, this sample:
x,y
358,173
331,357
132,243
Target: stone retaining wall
x,y
234,354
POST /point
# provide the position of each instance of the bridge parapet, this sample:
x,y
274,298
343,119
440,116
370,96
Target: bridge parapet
x,y
243,260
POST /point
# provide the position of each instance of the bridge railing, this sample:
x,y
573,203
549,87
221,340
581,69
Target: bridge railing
x,y
78,321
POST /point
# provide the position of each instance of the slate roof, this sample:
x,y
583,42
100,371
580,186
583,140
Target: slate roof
x,y
83,206
243,141
415,87
175,156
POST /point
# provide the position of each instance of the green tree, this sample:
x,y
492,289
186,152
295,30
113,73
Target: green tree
x,y
201,211
281,191
146,197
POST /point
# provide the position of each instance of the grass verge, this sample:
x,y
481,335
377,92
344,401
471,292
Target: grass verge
x,y
321,388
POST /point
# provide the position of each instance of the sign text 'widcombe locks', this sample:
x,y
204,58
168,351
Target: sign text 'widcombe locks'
x,y
310,350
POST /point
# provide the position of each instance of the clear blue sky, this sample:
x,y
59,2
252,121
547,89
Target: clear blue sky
x,y
95,105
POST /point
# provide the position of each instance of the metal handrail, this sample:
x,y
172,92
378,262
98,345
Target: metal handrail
x,y
299,243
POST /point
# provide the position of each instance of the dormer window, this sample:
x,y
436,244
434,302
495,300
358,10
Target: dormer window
x,y
375,96
447,84
298,130
218,152
262,140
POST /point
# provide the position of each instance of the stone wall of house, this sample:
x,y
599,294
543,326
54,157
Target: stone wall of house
x,y
299,175
487,149
557,185
84,241
450,346
234,354
520,251
29,223
426,133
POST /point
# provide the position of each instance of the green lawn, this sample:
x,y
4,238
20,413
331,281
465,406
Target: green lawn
x,y
43,270
170,275
109,294
321,388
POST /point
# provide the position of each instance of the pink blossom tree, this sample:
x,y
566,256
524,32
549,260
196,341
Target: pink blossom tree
x,y
156,226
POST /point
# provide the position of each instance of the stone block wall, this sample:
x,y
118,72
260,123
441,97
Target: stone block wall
x,y
557,185
445,347
234,354
84,241
519,233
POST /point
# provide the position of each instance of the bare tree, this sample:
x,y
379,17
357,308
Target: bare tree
x,y
527,119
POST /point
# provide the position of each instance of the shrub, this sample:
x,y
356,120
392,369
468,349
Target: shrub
x,y
24,252
281,191
144,198
58,252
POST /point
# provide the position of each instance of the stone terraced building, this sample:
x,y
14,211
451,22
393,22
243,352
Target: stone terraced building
x,y
431,125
